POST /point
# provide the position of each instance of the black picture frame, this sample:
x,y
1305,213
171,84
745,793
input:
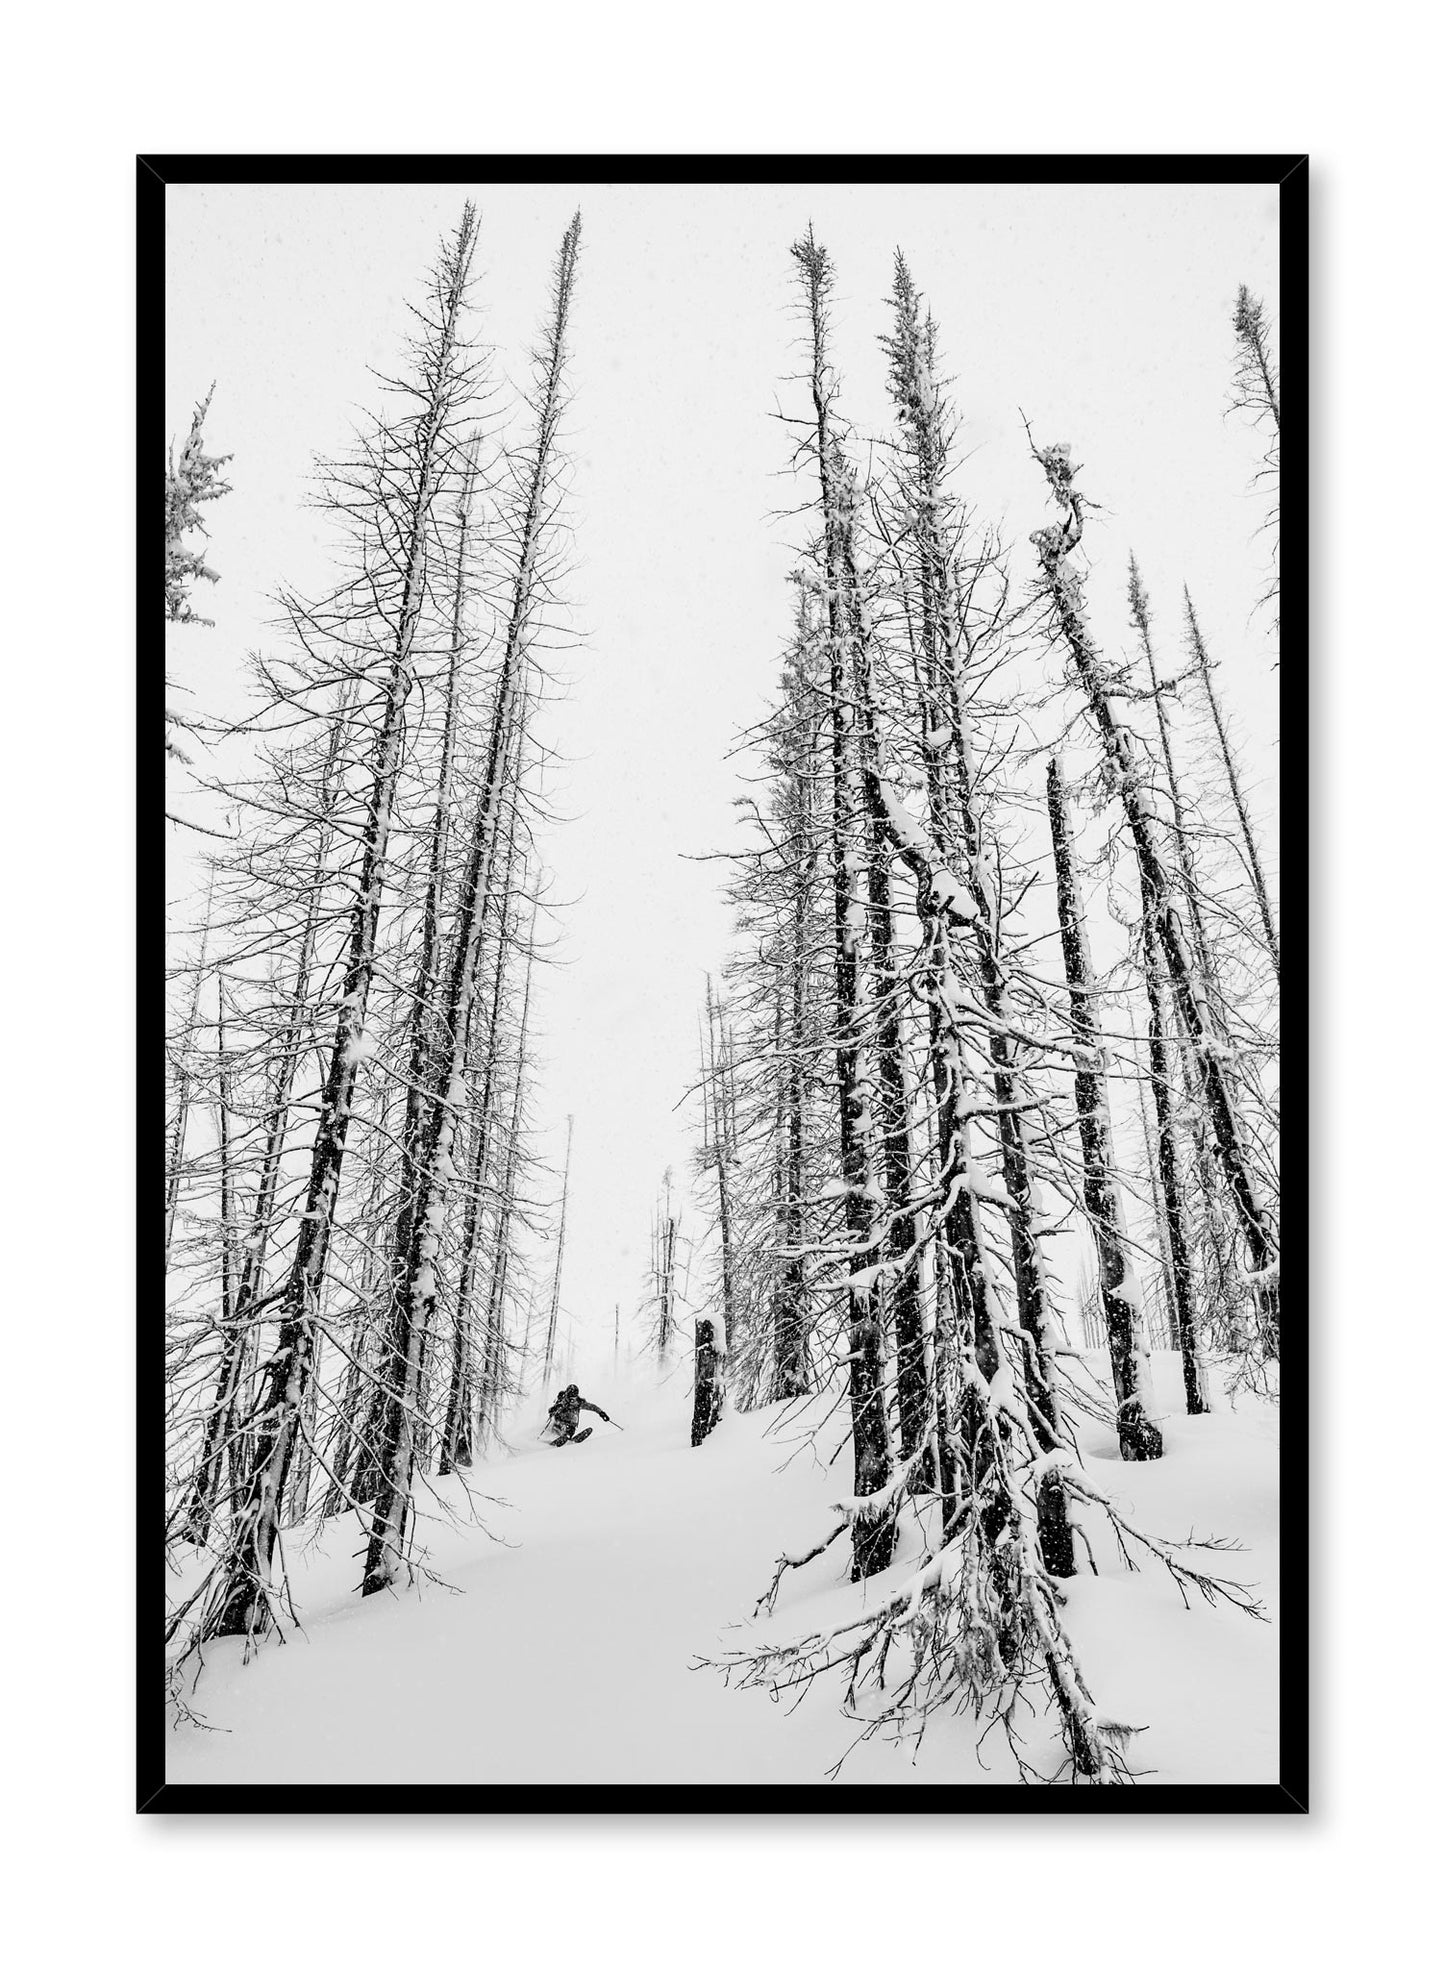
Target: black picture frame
x,y
1290,173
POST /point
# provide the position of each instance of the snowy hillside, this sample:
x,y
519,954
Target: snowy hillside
x,y
563,1645
948,1045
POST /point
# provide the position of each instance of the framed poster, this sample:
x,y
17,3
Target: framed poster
x,y
723,835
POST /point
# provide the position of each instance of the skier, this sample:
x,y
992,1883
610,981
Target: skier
x,y
563,1416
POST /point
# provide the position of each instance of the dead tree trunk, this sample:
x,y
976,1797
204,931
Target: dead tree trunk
x,y
664,1266
1183,847
1011,1092
426,1037
1139,1438
792,1364
1241,805
300,1487
457,1426
1149,1132
1180,1266
707,1382
491,1394
227,1171
1036,1316
175,1159
555,1303
218,1424
426,995
1156,1204
457,1430
718,1097
903,1299
873,1534
895,1143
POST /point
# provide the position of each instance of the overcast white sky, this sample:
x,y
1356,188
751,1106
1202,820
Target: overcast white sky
x,y
1102,311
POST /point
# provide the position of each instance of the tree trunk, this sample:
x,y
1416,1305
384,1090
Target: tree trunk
x,y
1241,805
1139,1438
793,1374
666,1247
426,995
507,1204
218,1425
175,1160
555,1304
458,1432
873,1535
1183,847
300,1487
1149,1133
1180,1265
707,1399
717,1071
457,1427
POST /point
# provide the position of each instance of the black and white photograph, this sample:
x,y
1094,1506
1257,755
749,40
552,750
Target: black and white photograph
x,y
713,1009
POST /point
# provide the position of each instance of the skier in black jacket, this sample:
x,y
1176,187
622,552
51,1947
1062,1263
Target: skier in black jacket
x,y
563,1416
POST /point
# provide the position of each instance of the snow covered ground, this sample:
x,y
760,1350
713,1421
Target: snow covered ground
x,y
583,1585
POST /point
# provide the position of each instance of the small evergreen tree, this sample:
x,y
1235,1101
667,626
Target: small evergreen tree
x,y
191,480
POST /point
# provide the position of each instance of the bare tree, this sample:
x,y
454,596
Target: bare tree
x,y
1060,585
1182,830
440,391
1255,396
417,1294
947,616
